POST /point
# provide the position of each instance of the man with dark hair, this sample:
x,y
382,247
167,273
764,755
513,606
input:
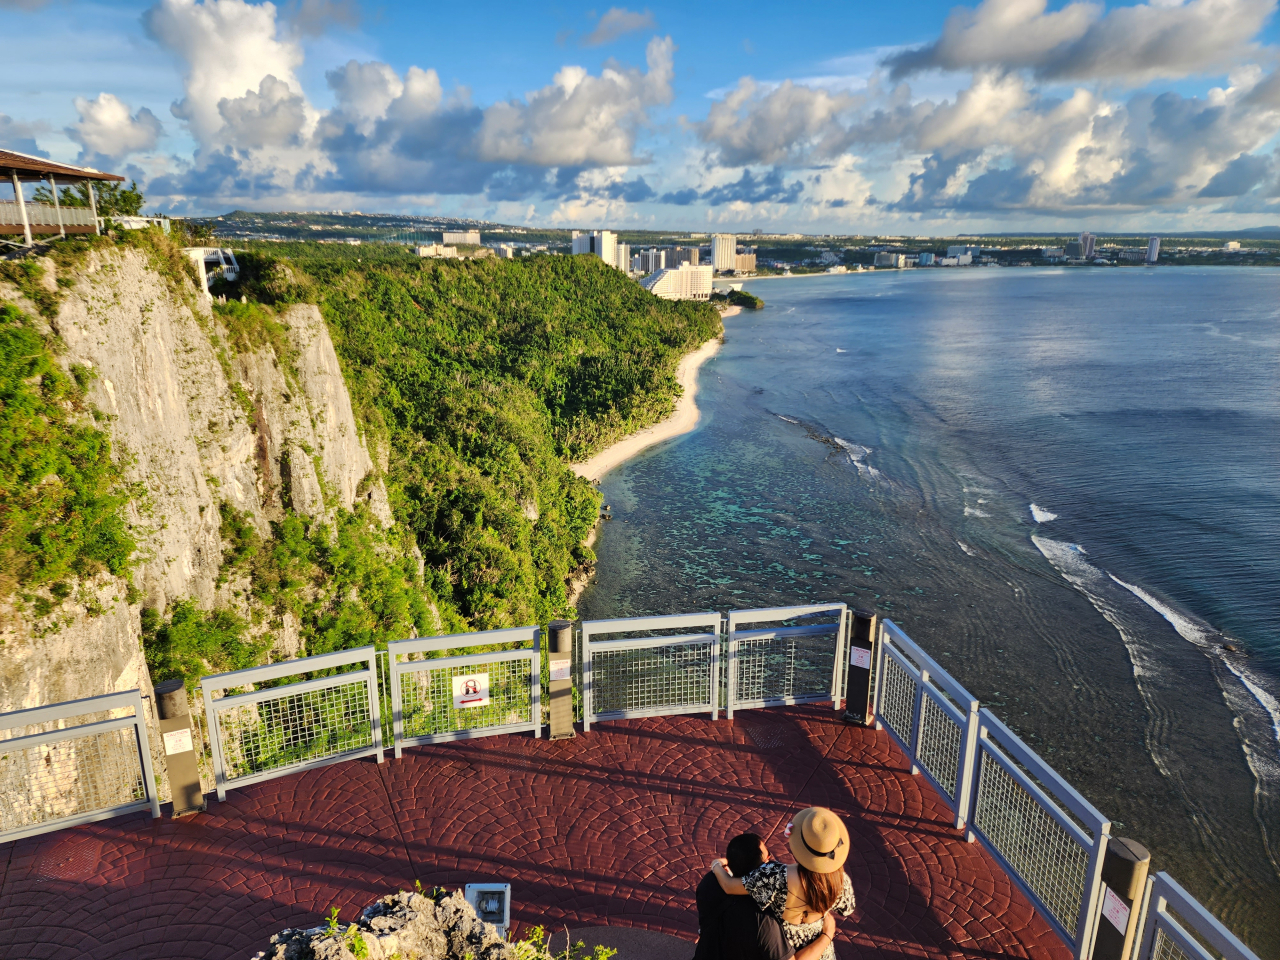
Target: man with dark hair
x,y
734,928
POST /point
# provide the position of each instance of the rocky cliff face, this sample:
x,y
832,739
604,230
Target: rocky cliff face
x,y
201,425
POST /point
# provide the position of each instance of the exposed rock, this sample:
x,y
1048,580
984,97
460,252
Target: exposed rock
x,y
442,926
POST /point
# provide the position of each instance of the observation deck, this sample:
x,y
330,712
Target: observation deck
x,y
614,827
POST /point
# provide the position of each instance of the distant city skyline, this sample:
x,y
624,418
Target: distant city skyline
x,y
995,116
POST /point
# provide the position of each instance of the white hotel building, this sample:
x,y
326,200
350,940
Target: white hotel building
x,y
685,282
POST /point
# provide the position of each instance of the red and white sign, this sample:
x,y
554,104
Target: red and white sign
x,y
1113,909
860,657
178,741
471,690
560,669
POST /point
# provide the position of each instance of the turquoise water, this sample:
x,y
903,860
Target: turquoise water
x,y
1064,483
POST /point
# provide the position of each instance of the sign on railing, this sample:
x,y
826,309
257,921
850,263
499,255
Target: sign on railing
x,y
1167,937
650,676
933,718
780,665
435,700
1049,839
69,775
278,730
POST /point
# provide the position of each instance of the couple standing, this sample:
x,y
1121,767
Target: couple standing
x,y
751,907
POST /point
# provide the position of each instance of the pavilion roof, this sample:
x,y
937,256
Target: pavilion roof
x,y
29,168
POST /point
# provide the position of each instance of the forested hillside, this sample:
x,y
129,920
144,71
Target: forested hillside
x,y
477,382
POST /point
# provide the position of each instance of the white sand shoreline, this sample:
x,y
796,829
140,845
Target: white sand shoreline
x,y
684,419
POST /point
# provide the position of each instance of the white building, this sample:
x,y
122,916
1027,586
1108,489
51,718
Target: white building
x,y
622,257
895,261
685,282
1087,242
462,236
724,252
1231,246
926,259
1052,253
651,260
1153,250
438,250
966,250
603,244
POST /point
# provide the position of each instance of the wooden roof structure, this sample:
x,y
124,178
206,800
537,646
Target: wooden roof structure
x,y
29,169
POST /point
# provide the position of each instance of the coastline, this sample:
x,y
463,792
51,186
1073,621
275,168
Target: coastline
x,y
682,420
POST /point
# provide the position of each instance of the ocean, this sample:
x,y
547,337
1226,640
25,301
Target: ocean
x,y
1063,483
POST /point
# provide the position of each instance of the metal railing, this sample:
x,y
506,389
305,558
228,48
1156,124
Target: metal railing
x,y
41,215
650,676
278,730
781,665
443,698
69,775
1046,836
933,719
1169,912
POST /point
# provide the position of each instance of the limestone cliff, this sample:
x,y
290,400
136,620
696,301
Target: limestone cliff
x,y
200,423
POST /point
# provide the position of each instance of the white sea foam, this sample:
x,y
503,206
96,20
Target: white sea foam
x,y
1041,515
838,350
974,512
966,548
788,419
858,454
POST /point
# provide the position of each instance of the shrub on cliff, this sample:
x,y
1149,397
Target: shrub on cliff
x,y
61,491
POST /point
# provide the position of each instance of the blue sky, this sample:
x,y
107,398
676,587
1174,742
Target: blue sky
x,y
928,118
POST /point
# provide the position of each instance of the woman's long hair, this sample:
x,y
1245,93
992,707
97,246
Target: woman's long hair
x,y
819,890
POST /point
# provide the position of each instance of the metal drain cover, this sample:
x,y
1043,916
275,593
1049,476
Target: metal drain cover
x,y
766,736
73,860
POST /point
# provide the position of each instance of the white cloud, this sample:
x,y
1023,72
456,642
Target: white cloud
x,y
783,122
1134,44
617,22
106,129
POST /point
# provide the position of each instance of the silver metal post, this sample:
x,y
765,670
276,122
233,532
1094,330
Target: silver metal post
x,y
57,207
93,206
22,209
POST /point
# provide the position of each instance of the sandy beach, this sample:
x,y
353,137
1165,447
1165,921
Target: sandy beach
x,y
684,419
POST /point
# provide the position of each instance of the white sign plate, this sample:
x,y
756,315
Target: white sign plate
x,y
560,669
471,690
860,657
1113,909
177,741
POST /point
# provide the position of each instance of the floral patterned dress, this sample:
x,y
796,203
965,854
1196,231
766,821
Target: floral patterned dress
x,y
767,885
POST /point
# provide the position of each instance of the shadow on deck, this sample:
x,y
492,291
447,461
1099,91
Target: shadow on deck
x,y
614,827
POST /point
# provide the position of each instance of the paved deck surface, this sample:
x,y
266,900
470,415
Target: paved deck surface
x,y
612,828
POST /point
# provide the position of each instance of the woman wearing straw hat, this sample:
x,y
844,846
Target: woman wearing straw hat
x,y
800,895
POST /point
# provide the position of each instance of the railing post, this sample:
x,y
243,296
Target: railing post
x,y
968,771
560,665
215,743
93,207
174,718
397,706
22,209
917,720
1124,881
375,703
535,683
57,207
1086,925
858,705
586,679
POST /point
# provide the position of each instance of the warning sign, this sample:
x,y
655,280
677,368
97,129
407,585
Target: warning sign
x,y
471,690
177,741
560,669
860,657
1113,909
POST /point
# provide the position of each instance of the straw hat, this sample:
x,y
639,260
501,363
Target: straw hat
x,y
819,840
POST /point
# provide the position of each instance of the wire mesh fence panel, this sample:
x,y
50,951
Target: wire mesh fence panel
x,y
1168,949
663,678
897,705
785,667
59,779
430,707
941,745
295,728
1047,858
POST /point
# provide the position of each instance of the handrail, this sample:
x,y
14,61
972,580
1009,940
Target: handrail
x,y
1165,898
523,692
309,724
736,637
664,682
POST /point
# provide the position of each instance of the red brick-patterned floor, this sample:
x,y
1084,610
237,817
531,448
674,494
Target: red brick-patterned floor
x,y
613,827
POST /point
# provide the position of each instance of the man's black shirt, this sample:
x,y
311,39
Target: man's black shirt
x,y
734,928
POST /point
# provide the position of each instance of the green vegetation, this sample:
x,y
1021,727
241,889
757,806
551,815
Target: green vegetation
x,y
61,493
739,298
478,380
114,199
192,642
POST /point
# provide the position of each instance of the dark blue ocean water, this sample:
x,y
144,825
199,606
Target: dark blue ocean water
x,y
1065,483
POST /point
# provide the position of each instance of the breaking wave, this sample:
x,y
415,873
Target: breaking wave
x,y
975,512
1041,515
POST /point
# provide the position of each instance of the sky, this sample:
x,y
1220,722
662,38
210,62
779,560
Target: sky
x,y
918,119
